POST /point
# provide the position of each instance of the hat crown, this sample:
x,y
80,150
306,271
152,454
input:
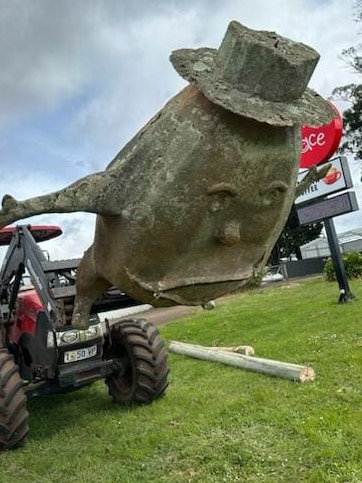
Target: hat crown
x,y
264,64
259,75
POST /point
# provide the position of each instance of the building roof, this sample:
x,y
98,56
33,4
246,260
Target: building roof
x,y
345,237
350,235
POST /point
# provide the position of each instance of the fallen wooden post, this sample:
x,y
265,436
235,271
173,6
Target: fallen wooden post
x,y
294,372
247,350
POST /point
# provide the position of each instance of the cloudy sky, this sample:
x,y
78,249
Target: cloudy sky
x,y
79,78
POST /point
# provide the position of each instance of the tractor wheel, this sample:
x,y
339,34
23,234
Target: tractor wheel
x,y
139,345
13,413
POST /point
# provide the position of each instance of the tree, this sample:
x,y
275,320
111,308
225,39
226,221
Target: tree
x,y
352,119
293,237
352,93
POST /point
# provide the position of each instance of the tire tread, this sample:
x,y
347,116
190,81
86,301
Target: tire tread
x,y
148,356
13,412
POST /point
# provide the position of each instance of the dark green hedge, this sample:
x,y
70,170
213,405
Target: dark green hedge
x,y
353,265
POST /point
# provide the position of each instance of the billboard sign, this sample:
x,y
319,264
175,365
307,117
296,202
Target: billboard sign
x,y
327,208
337,179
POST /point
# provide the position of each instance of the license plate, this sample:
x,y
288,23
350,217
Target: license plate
x,y
80,354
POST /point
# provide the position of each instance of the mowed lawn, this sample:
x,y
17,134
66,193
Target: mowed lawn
x,y
219,423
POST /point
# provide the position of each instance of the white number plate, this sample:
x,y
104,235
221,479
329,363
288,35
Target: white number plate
x,y
80,354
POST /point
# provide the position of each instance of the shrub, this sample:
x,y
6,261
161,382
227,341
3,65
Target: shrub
x,y
352,263
254,282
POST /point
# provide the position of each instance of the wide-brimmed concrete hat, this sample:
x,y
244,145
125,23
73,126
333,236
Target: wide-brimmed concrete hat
x,y
257,74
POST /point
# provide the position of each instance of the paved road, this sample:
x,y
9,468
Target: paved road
x,y
165,314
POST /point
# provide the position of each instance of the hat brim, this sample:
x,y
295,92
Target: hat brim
x,y
198,67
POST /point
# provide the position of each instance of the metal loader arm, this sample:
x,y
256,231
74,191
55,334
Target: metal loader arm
x,y
54,281
24,253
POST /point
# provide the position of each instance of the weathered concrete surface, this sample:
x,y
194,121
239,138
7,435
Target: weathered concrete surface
x,y
188,209
257,74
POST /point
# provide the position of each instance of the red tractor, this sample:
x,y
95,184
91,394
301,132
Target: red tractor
x,y
40,351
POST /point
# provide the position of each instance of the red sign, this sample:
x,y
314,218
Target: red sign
x,y
320,143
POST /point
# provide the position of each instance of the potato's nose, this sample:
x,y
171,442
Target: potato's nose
x,y
229,233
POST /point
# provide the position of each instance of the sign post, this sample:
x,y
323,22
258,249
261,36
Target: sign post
x,y
345,294
318,145
324,209
337,179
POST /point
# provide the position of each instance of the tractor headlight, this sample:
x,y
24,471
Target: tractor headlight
x,y
91,332
69,336
74,336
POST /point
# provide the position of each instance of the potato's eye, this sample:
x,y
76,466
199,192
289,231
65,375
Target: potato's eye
x,y
273,193
220,194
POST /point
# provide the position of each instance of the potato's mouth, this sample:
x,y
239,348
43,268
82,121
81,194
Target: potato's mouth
x,y
196,290
176,283
200,293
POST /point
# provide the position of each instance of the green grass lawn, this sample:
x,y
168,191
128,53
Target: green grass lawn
x,y
219,423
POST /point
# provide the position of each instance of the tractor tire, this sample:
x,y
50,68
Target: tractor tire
x,y
139,345
13,413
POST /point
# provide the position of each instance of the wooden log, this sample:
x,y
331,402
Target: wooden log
x,y
239,349
287,370
247,350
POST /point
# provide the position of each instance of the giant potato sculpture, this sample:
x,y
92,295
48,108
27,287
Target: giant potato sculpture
x,y
194,203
